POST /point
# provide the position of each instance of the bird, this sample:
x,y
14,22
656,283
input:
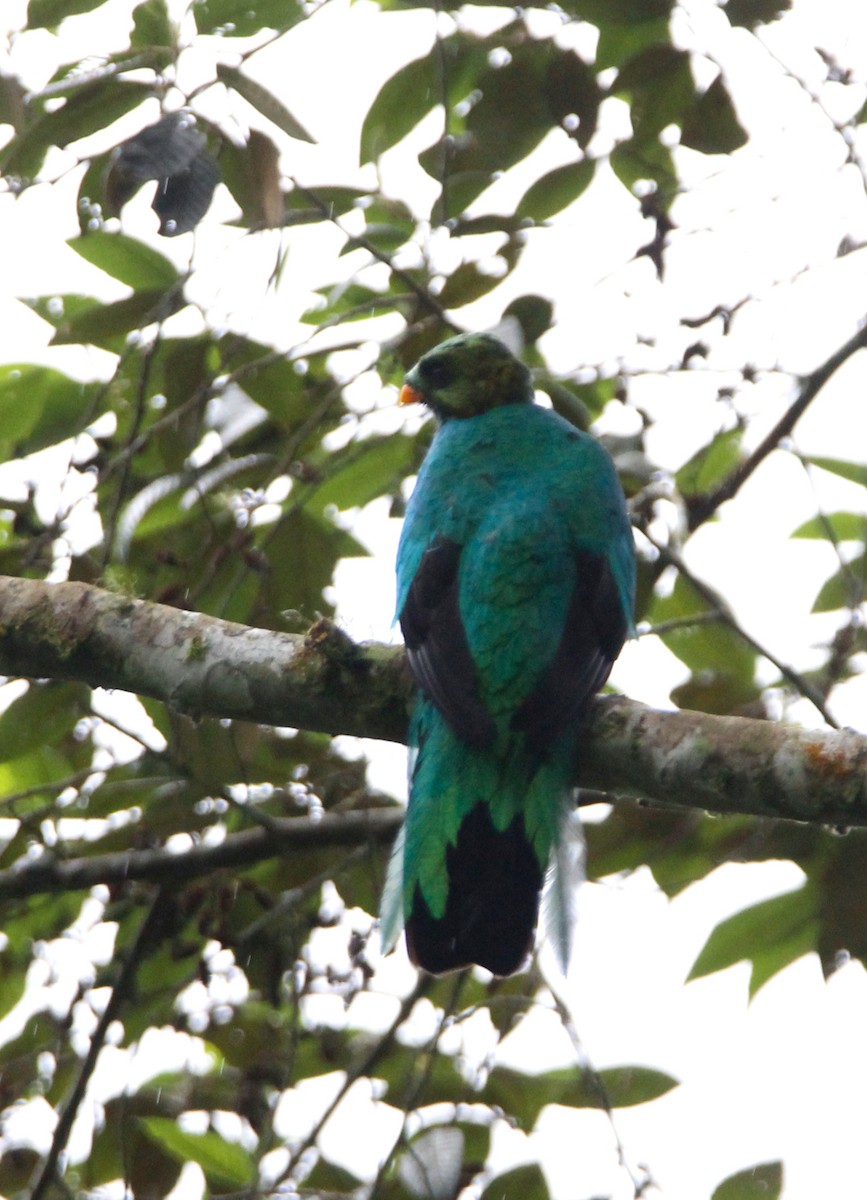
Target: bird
x,y
515,594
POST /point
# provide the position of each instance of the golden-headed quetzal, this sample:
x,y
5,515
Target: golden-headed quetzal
x,y
515,580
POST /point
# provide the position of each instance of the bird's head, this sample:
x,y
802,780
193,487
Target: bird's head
x,y
466,376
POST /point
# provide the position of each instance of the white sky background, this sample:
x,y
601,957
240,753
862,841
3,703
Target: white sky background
x,y
784,1076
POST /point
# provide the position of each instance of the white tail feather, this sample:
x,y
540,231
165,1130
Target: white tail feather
x,y
566,871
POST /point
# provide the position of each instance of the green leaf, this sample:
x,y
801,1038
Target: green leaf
x,y
528,1182
635,161
770,935
704,646
88,110
40,407
524,1096
711,464
370,468
127,259
855,472
835,527
83,320
556,189
263,100
151,25
224,1163
659,87
712,126
762,1182
47,14
401,103
846,588
466,284
751,13
240,18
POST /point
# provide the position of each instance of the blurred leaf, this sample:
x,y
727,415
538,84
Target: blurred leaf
x,y
705,646
83,320
240,18
327,1178
525,1095
711,464
151,25
846,588
711,126
554,190
770,935
762,1182
659,86
527,1182
856,472
751,13
47,14
836,527
370,468
127,259
466,284
430,1166
401,103
224,1163
88,110
40,407
263,100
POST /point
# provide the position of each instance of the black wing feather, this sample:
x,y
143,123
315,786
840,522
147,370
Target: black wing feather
x,y
437,648
593,634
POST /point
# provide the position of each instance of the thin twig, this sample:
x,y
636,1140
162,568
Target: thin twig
x,y
361,1070
148,936
802,685
701,508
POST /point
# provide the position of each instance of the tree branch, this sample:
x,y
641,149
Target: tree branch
x,y
701,508
323,681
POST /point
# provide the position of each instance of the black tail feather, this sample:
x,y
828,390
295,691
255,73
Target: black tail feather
x,y
493,902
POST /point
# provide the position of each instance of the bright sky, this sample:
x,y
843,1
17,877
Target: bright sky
x,y
785,1075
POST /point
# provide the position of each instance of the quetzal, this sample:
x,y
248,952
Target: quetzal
x,y
515,587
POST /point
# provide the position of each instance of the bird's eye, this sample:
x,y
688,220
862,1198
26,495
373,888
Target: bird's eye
x,y
438,374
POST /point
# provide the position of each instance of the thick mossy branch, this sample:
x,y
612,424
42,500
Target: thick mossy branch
x,y
323,681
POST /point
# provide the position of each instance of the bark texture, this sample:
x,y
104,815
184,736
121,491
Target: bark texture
x,y
323,681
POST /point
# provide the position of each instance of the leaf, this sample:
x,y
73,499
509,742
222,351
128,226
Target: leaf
x,y
370,468
554,190
704,646
751,13
83,320
835,527
528,1182
846,588
524,1096
224,1163
151,25
770,935
88,110
264,101
47,14
127,259
711,126
762,1182
40,407
856,472
466,284
711,464
240,18
400,105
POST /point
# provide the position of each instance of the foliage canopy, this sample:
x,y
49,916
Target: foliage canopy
x,y
212,468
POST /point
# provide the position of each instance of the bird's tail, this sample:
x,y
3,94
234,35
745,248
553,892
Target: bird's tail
x,y
483,830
